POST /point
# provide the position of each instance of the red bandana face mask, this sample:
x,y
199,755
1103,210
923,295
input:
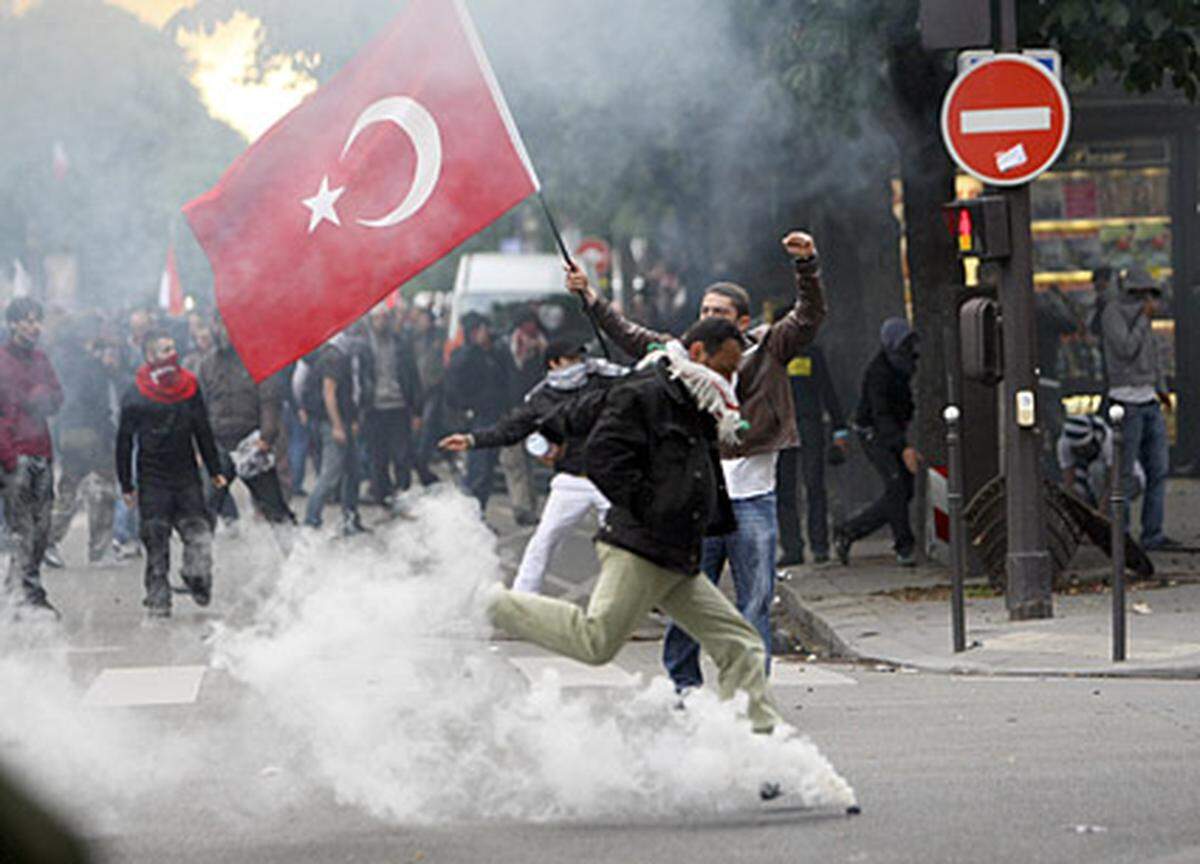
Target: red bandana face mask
x,y
166,381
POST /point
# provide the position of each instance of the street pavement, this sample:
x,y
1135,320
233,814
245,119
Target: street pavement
x,y
947,768
876,611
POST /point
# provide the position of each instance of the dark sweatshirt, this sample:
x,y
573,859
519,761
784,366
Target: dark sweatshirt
x,y
165,434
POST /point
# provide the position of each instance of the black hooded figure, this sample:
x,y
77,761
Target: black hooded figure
x,y
884,412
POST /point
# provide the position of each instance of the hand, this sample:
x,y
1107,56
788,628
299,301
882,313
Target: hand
x,y
842,442
577,284
130,499
800,245
355,428
263,444
1167,405
302,416
552,455
456,443
416,424
912,459
220,481
339,435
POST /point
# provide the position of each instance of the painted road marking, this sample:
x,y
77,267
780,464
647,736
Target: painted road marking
x,y
574,674
145,685
983,121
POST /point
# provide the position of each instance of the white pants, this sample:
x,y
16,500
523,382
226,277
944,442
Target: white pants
x,y
570,499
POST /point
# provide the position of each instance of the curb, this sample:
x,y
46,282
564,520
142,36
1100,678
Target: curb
x,y
818,637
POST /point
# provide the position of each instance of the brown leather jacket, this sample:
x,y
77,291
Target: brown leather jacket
x,y
763,387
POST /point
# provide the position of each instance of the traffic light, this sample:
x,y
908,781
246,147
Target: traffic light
x,y
980,227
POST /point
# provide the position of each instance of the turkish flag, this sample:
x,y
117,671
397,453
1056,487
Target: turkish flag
x,y
405,153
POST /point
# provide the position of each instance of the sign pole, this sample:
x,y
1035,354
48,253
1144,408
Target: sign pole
x,y
1028,569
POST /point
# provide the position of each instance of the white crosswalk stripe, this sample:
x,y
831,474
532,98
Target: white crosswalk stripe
x,y
145,685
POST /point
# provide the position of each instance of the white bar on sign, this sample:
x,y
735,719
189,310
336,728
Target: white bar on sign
x,y
1005,120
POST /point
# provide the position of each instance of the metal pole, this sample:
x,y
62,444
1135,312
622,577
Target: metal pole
x,y
1028,565
954,500
1116,480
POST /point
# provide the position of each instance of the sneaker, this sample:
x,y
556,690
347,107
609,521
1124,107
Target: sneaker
x,y
53,558
1163,542
158,612
125,551
352,526
906,559
841,546
681,697
107,561
769,790
821,559
201,593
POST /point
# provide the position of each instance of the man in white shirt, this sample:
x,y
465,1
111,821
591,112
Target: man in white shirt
x,y
765,395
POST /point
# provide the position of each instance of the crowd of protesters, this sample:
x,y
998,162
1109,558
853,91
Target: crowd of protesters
x,y
145,422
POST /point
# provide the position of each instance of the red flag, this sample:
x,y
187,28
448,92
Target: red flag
x,y
405,153
170,289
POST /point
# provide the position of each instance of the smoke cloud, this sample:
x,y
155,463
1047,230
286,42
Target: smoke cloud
x,y
365,670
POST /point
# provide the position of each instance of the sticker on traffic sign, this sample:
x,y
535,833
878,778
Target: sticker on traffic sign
x,y
1006,120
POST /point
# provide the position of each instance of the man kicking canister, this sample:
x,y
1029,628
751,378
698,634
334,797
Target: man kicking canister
x,y
765,394
652,451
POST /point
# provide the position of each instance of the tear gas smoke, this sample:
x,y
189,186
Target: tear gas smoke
x,y
365,669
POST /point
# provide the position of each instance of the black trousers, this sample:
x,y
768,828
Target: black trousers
x,y
163,509
389,442
891,507
265,491
803,465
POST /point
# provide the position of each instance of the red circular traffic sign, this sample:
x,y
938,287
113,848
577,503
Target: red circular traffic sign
x,y
1006,120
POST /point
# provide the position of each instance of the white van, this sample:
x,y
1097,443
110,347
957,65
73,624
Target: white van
x,y
501,286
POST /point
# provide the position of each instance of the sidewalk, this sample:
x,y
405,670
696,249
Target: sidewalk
x,y
876,611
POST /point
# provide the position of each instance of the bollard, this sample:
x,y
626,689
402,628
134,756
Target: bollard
x,y
954,496
1116,414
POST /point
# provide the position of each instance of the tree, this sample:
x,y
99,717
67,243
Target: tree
x,y
110,93
853,60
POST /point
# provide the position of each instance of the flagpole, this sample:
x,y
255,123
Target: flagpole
x,y
571,265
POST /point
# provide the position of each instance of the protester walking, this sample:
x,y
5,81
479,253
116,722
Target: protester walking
x,y
396,400
885,409
748,464
332,382
87,432
572,495
164,417
527,347
29,394
246,419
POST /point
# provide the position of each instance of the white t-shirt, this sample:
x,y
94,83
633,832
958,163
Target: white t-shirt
x,y
750,476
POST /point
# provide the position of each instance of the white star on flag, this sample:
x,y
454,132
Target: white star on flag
x,y
321,205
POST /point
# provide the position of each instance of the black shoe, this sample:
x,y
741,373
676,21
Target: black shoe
x,y
525,519
841,546
42,603
820,559
201,593
769,791
906,559
793,560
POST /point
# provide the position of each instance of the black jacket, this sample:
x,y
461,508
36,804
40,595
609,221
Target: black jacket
x,y
886,405
813,392
653,454
479,380
540,402
164,434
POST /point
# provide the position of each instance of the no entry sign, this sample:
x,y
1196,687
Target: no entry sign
x,y
1006,120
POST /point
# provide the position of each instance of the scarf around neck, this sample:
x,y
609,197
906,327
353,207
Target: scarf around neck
x,y
708,390
167,383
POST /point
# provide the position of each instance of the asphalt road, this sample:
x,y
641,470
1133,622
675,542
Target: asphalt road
x,y
947,769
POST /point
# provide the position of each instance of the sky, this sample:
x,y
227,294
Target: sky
x,y
233,88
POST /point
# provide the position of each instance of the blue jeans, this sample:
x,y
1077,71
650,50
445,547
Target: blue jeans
x,y
299,435
1145,431
336,480
751,554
